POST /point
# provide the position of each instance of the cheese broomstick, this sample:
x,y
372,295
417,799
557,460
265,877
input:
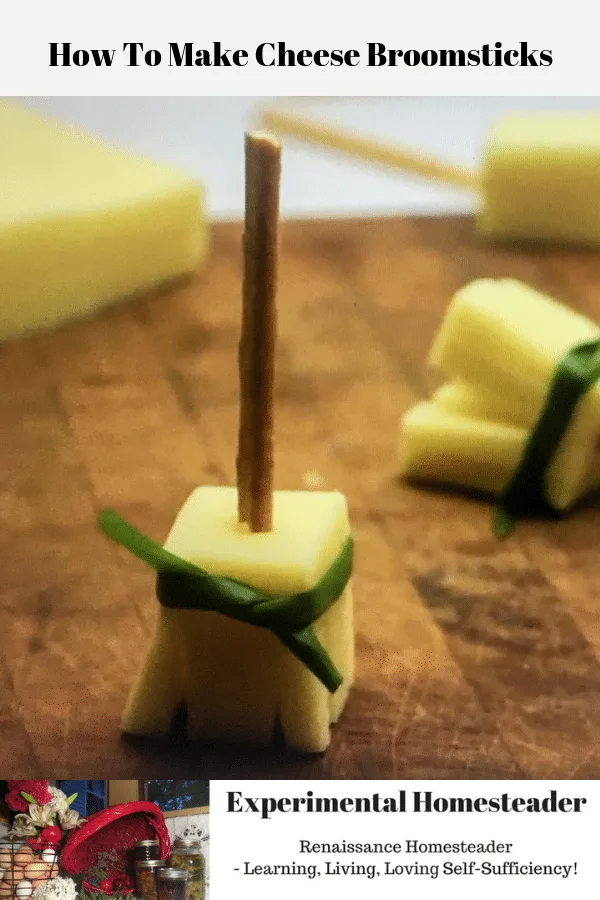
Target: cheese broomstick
x,y
521,416
539,178
255,627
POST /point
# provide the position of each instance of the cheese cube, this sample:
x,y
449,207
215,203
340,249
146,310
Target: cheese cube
x,y
451,448
237,681
83,225
507,339
541,179
475,402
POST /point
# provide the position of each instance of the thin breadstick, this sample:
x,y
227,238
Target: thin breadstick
x,y
257,344
360,146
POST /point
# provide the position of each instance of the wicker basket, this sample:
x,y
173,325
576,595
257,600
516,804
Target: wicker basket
x,y
24,869
102,847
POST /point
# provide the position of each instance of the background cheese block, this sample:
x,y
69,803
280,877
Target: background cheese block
x,y
477,403
238,680
449,448
507,339
541,178
452,448
82,224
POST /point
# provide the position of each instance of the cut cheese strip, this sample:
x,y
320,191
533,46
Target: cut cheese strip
x,y
507,339
238,681
82,224
476,403
451,448
540,178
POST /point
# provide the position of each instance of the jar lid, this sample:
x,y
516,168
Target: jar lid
x,y
150,863
186,842
174,874
150,843
190,848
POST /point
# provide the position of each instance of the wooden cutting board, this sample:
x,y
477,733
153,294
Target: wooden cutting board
x,y
475,659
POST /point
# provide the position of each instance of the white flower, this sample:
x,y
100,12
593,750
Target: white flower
x,y
59,799
69,819
56,889
22,827
41,815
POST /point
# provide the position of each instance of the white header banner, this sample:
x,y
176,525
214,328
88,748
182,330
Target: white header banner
x,y
388,839
334,48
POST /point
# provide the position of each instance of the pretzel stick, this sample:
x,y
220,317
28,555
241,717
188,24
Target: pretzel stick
x,y
362,147
257,344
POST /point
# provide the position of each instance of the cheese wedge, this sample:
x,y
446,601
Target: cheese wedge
x,y
507,339
540,179
452,448
83,224
237,681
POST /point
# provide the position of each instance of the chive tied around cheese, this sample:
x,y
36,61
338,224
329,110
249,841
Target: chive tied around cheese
x,y
525,494
255,641
519,414
183,585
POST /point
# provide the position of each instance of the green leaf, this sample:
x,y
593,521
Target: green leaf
x,y
504,523
29,798
148,551
182,585
70,799
307,648
78,879
525,494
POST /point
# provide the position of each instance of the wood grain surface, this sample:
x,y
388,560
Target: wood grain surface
x,y
475,659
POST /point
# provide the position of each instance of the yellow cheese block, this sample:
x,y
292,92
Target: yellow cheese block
x,y
476,403
238,681
447,447
507,339
541,178
82,224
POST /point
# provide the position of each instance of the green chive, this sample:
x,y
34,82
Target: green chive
x,y
525,494
182,585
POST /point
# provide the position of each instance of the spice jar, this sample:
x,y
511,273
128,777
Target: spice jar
x,y
187,854
145,878
145,850
172,884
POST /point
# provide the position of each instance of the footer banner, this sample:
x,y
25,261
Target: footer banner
x,y
387,838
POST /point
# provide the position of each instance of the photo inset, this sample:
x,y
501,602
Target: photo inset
x,y
104,840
